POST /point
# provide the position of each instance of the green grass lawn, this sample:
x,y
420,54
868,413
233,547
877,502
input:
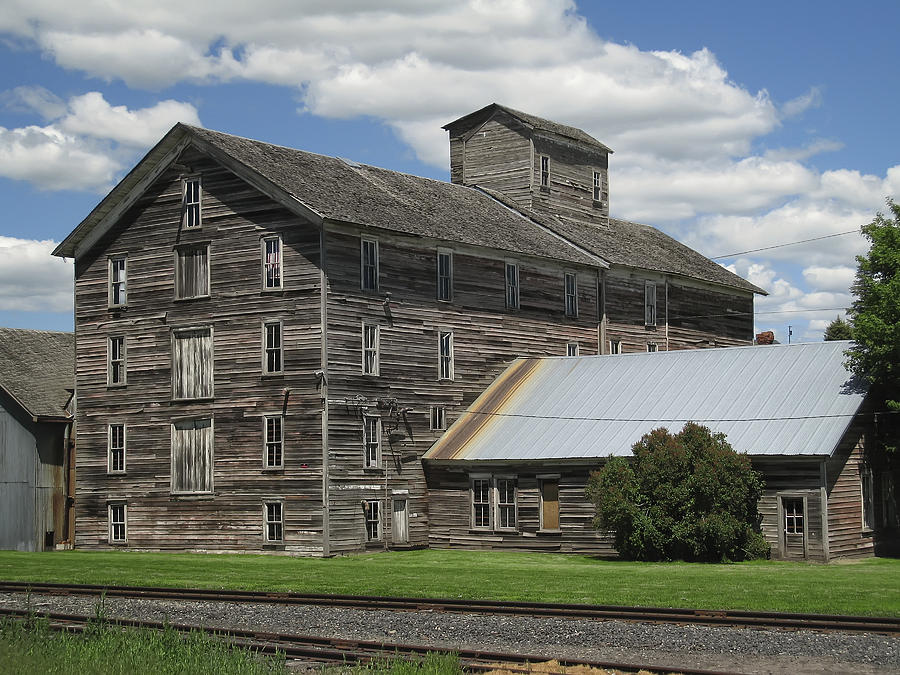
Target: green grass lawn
x,y
869,586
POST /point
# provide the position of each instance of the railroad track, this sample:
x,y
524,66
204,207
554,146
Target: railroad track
x,y
343,651
737,618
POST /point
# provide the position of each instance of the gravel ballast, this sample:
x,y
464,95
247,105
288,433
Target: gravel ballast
x,y
741,650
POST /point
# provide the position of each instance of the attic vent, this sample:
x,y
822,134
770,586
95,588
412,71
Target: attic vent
x,y
349,162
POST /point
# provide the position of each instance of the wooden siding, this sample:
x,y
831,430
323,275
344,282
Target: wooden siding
x,y
498,156
235,216
847,538
570,192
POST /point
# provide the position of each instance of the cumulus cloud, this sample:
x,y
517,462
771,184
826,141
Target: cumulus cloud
x,y
830,278
31,279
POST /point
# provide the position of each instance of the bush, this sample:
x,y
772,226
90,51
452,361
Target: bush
x,y
684,497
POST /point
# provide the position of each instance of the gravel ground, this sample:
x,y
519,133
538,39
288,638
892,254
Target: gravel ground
x,y
739,650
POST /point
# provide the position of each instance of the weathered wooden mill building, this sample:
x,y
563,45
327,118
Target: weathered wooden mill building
x,y
268,340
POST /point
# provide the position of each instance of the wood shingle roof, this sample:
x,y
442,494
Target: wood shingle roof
x,y
37,370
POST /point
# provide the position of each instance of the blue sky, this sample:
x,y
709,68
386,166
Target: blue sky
x,y
735,126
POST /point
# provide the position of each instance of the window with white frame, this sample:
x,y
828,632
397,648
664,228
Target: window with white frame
x,y
597,191
545,171
371,441
652,347
572,349
192,456
192,272
571,283
118,281
372,509
273,348
438,418
192,363
650,303
512,286
371,336
116,445
118,533
615,346
116,365
271,262
273,435
481,503
445,355
444,274
867,490
274,521
369,265
793,515
506,503
190,202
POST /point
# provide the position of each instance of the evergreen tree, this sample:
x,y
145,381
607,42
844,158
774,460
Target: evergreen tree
x,y
838,330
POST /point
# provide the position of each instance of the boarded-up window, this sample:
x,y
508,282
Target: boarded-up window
x,y
274,521
373,520
512,286
116,369
116,441
192,272
445,355
192,363
506,503
650,303
370,349
190,200
571,294
118,278
369,265
444,275
481,503
271,262
273,429
549,504
117,524
192,456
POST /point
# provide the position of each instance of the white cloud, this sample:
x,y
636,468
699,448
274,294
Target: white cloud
x,y
830,278
31,279
34,98
799,105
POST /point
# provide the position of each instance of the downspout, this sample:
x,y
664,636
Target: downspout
x,y
323,312
601,300
823,496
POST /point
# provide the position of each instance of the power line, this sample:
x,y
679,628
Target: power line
x,y
774,311
790,243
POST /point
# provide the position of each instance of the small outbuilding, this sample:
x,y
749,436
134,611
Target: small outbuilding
x,y
511,472
36,442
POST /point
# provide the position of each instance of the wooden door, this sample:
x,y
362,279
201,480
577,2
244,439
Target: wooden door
x,y
400,522
549,504
793,524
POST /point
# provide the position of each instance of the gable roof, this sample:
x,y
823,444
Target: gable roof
x,y
340,190
776,400
636,245
37,370
477,118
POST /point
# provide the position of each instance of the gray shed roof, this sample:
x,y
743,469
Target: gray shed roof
x,y
775,400
37,369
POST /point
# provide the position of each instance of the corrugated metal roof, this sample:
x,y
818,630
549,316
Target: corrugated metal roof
x,y
773,400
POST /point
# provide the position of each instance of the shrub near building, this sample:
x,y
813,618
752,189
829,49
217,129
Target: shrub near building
x,y
687,496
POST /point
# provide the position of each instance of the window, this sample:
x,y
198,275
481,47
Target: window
x,y
116,445
192,272
550,504
481,503
545,171
274,521
571,294
572,349
192,363
371,337
445,355
793,515
117,524
615,346
190,202
118,278
369,265
116,371
506,503
192,456
650,303
372,441
438,418
512,286
273,434
597,186
271,262
867,488
652,347
888,501
444,275
273,348
373,520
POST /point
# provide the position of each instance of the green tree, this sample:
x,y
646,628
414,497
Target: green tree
x,y
838,330
876,310
687,496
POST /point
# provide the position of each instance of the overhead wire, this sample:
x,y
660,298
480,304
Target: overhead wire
x,y
789,243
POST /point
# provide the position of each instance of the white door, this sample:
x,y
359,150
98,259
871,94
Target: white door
x,y
400,522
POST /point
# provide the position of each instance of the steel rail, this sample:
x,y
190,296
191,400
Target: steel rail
x,y
344,650
734,618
